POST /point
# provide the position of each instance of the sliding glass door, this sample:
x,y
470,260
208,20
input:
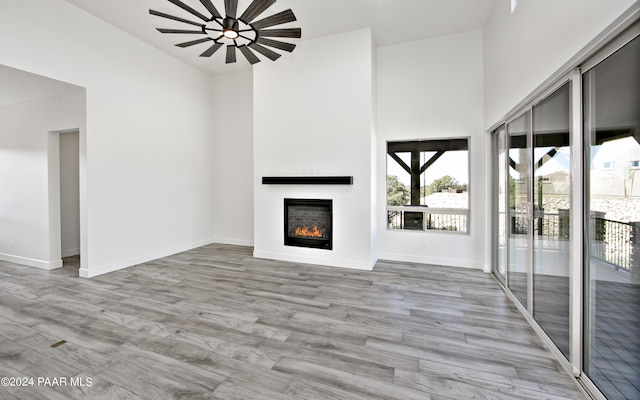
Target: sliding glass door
x,y
519,213
500,237
567,219
551,219
536,181
612,293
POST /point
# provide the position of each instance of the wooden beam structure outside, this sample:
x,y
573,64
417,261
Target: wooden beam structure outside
x,y
440,147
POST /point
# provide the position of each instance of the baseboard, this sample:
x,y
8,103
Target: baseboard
x,y
31,262
70,252
122,264
447,262
234,242
351,264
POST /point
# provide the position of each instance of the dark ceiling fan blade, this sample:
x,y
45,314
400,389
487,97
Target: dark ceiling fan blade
x,y
211,8
256,8
248,54
270,54
189,10
231,8
276,19
162,30
277,44
209,52
231,54
163,15
285,32
194,42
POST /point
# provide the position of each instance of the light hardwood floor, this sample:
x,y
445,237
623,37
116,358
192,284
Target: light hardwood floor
x,y
216,323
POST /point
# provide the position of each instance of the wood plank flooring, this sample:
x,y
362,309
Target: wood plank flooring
x,y
216,323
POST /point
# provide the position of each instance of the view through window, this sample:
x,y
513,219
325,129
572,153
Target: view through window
x,y
428,185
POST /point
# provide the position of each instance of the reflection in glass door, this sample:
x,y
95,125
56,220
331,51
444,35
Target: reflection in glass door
x,y
551,203
612,294
519,210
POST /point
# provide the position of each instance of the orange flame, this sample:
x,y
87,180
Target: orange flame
x,y
306,232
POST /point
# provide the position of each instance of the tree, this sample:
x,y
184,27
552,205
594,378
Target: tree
x,y
397,193
444,183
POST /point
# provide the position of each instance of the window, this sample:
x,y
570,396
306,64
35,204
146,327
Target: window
x,y
428,185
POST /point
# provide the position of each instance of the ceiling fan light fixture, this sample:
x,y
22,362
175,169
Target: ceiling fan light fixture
x,y
230,34
230,28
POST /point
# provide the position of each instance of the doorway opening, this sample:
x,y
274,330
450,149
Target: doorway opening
x,y
64,195
70,198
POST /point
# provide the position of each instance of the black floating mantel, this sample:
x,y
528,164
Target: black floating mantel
x,y
307,180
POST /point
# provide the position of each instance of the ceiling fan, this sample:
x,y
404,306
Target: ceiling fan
x,y
242,33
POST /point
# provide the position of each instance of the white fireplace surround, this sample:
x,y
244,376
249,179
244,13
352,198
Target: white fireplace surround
x,y
327,133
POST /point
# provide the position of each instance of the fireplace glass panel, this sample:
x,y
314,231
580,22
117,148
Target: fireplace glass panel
x,y
308,223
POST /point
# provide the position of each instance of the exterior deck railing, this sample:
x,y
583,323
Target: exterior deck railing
x,y
428,219
616,238
611,241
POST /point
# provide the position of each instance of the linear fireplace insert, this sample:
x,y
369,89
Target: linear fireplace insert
x,y
308,223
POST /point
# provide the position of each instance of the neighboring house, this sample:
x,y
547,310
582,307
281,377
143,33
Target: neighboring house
x,y
616,168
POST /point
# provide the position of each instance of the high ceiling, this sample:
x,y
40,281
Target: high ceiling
x,y
392,21
19,86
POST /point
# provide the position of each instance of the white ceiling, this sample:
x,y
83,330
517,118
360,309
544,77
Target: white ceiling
x,y
392,21
20,86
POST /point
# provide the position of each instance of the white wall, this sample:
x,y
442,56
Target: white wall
x,y
232,154
524,49
313,109
432,89
148,186
29,226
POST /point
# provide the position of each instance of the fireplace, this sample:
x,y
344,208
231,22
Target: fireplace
x,y
308,223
